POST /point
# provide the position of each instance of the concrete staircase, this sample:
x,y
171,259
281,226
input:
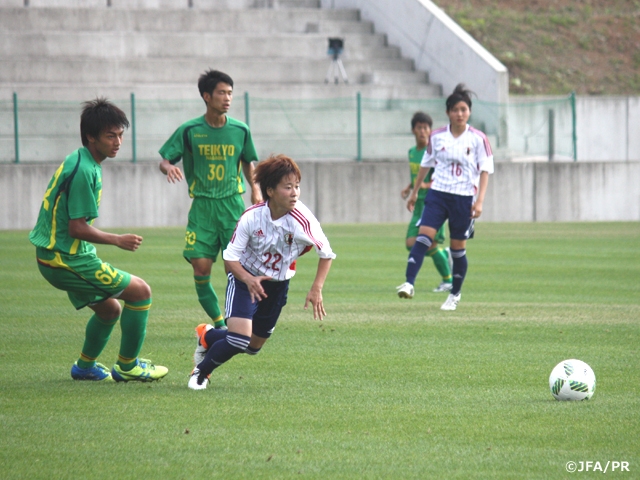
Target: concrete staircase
x,y
156,49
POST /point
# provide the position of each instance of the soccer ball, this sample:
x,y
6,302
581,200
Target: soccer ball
x,y
572,380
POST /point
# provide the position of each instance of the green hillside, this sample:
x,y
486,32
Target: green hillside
x,y
591,47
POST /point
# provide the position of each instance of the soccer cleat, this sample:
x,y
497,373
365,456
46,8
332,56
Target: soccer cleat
x,y
443,287
144,371
405,290
452,302
201,350
97,373
195,383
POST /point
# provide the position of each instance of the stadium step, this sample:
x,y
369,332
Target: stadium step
x,y
156,49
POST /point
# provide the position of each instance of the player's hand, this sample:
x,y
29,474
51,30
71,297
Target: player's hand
x,y
174,174
254,284
314,297
405,193
129,241
411,203
476,209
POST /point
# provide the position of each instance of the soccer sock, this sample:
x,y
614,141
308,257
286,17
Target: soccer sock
x,y
222,351
208,299
459,269
133,324
213,335
416,256
441,261
96,337
253,351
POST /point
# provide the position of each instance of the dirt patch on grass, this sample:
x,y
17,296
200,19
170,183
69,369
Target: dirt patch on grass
x,y
591,47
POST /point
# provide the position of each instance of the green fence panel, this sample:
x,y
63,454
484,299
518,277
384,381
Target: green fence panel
x,y
352,127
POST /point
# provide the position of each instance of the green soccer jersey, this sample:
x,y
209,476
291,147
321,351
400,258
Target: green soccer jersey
x,y
415,157
211,156
74,192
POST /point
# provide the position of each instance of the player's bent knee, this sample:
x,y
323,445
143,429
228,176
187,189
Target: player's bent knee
x,y
108,310
137,290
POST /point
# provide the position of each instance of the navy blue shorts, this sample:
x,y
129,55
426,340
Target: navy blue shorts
x,y
264,313
440,206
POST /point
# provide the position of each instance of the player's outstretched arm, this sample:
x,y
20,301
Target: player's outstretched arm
x,y
314,297
256,194
422,173
80,229
173,173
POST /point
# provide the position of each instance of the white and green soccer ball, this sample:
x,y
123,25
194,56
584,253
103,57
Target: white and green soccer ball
x,y
572,380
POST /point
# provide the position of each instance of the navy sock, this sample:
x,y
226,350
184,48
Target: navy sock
x,y
459,269
416,256
222,351
215,334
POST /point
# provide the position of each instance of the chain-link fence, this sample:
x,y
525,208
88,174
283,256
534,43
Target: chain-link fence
x,y
350,128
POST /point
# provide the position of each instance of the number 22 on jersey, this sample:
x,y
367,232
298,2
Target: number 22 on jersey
x,y
272,259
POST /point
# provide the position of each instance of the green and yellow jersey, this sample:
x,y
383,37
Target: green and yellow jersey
x,y
211,156
415,157
73,192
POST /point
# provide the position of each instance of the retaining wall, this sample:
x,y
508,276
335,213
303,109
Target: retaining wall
x,y
138,195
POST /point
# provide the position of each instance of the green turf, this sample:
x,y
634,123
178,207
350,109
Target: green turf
x,y
382,388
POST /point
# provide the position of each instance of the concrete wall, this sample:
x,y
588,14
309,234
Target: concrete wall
x,y
137,195
436,43
608,128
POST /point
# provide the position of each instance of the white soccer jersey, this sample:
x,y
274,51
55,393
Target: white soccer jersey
x,y
458,161
270,247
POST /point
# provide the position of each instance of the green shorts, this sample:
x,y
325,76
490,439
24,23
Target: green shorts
x,y
412,230
85,278
211,225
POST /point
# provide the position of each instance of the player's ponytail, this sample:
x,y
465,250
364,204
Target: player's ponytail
x,y
460,94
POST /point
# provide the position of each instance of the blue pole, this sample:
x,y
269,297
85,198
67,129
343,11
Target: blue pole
x,y
16,136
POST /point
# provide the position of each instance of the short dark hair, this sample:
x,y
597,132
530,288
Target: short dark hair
x,y
271,171
460,94
210,79
421,117
99,115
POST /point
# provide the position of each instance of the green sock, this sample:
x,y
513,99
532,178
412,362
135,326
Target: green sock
x,y
133,324
96,337
208,299
441,261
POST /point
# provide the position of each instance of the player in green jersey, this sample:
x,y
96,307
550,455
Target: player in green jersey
x,y
421,125
214,149
63,237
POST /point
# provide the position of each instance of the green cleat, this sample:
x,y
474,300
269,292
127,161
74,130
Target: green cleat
x,y
144,371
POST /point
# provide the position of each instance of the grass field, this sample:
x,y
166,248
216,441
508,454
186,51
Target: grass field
x,y
382,388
